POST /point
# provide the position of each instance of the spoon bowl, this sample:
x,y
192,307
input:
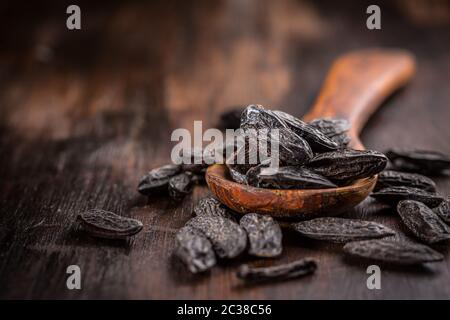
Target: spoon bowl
x,y
301,204
355,86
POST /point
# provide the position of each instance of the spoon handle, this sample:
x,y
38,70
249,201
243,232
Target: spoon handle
x,y
358,82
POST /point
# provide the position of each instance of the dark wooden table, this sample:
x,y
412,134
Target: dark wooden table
x,y
85,113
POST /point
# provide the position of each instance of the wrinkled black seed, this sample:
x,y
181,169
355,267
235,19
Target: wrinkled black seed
x,y
287,178
264,235
343,140
245,158
282,144
213,207
227,237
341,230
331,127
256,117
180,186
393,195
391,178
236,175
443,210
421,161
318,141
392,251
347,165
335,129
157,180
194,249
252,173
286,271
292,149
423,222
105,224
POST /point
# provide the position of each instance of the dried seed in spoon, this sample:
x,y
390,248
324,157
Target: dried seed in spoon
x,y
237,176
290,177
318,141
292,149
256,117
335,129
330,127
344,166
343,140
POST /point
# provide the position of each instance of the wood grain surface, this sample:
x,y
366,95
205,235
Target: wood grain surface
x,y
83,114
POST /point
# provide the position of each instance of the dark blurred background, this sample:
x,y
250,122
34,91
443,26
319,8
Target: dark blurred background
x,y
84,113
195,56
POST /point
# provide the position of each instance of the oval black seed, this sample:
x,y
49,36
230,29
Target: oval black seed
x,y
287,178
292,149
422,221
330,127
318,141
347,165
227,237
443,210
245,158
264,235
421,161
157,180
341,230
256,117
343,140
180,186
258,126
252,173
393,195
236,175
335,129
105,224
286,271
392,251
391,178
194,249
213,207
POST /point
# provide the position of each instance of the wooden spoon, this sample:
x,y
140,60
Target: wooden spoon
x,y
355,86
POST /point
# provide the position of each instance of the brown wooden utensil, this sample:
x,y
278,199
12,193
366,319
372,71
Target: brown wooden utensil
x,y
355,86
